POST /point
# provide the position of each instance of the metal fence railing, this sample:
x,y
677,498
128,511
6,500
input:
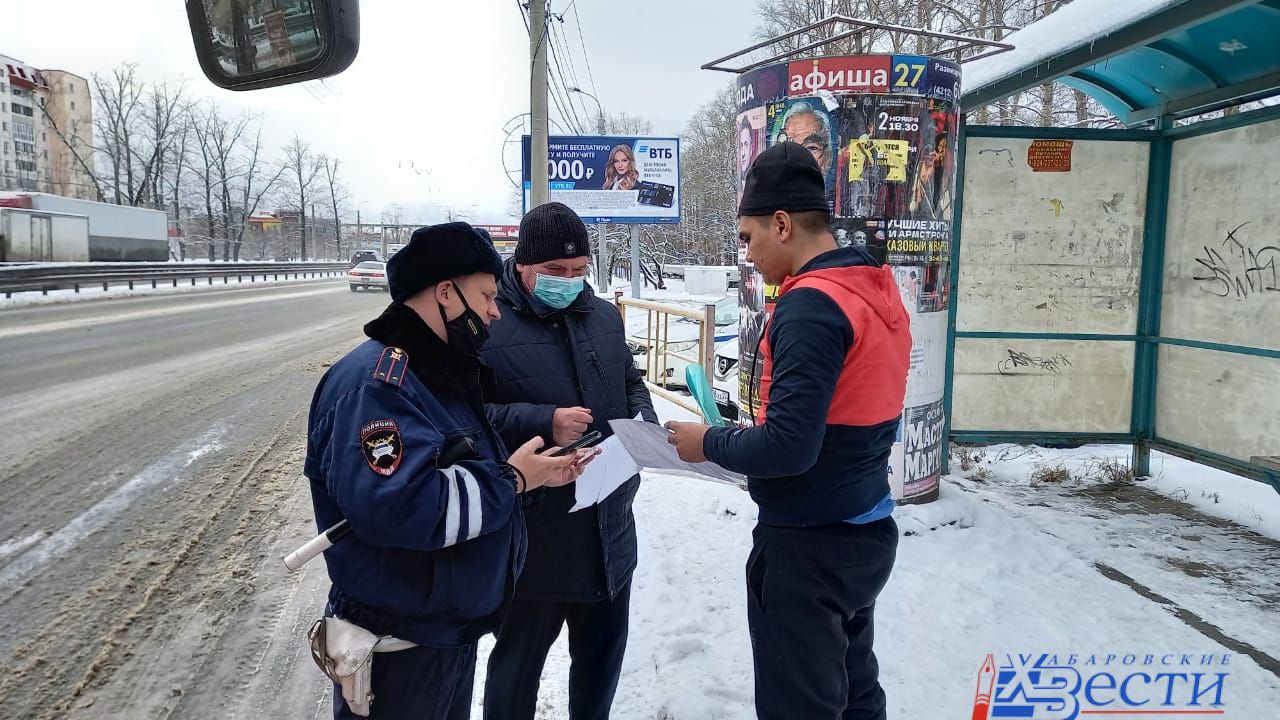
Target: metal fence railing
x,y
37,277
665,356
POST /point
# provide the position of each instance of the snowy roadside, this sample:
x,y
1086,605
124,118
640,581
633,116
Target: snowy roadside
x,y
974,575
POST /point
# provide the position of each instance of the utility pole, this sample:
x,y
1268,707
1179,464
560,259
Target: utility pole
x,y
637,273
602,257
539,192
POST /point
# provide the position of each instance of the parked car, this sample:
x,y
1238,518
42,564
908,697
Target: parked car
x,y
725,379
361,256
682,338
370,274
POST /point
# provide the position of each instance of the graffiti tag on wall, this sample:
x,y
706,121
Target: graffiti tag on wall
x,y
1238,269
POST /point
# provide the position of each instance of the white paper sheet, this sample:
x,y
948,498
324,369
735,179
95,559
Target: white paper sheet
x,y
647,445
606,473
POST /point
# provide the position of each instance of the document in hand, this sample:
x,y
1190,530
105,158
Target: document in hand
x,y
606,473
647,445
636,445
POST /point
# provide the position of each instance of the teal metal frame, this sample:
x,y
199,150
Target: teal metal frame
x,y
1143,433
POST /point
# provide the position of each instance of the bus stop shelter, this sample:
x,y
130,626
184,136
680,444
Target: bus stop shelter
x,y
1123,285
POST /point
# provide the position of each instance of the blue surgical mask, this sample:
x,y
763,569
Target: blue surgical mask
x,y
557,292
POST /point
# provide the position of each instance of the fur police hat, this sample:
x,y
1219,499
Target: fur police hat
x,y
440,252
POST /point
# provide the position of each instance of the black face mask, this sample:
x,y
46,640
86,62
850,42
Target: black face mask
x,y
467,332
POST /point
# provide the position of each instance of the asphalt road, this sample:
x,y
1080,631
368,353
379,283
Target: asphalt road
x,y
150,481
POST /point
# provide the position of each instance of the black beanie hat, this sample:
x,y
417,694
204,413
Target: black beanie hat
x,y
437,253
551,232
784,177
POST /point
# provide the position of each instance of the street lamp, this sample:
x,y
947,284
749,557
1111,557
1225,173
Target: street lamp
x,y
599,109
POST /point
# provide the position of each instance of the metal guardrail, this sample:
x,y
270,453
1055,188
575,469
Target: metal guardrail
x,y
658,352
42,277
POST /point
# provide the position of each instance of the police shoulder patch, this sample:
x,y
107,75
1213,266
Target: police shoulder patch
x,y
382,445
392,366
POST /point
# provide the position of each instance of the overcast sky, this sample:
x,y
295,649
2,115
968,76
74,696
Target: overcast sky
x,y
433,86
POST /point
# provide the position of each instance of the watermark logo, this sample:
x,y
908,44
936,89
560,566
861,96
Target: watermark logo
x,y
1065,687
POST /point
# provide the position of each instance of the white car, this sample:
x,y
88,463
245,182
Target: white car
x,y
725,379
681,338
367,275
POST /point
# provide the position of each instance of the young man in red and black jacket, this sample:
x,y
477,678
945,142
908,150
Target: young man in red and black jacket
x,y
835,352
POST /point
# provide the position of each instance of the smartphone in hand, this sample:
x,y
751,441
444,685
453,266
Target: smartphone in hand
x,y
586,440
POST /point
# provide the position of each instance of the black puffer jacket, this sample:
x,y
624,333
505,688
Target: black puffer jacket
x,y
546,359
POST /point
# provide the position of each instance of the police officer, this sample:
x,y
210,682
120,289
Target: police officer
x,y
561,368
434,551
836,353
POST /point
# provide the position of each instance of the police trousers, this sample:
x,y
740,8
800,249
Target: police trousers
x,y
418,683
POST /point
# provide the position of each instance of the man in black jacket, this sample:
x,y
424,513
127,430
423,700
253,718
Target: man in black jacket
x,y
834,360
562,367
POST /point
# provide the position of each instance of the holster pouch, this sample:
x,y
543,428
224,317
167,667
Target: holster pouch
x,y
344,653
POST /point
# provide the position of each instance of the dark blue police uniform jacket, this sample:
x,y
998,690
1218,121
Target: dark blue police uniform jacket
x,y
434,552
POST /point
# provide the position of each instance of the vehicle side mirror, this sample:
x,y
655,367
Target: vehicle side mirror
x,y
251,44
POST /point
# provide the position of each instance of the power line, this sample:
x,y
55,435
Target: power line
x,y
585,56
524,15
558,92
558,33
563,86
570,78
570,119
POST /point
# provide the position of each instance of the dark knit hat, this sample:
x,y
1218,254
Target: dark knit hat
x,y
437,253
551,232
784,177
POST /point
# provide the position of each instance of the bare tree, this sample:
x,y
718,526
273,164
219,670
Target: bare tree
x,y
117,100
256,179
300,168
338,195
181,163
165,117
81,151
225,136
204,165
626,124
707,233
210,130
136,125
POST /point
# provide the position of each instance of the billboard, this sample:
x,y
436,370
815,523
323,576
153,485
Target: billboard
x,y
607,179
882,129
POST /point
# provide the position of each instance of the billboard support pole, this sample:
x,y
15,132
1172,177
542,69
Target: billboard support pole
x,y
602,260
539,191
637,274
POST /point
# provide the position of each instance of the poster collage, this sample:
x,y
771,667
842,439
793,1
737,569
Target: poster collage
x,y
883,129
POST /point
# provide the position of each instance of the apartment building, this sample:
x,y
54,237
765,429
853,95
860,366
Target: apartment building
x,y
38,109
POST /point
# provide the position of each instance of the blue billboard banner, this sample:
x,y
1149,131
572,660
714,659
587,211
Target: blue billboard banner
x,y
632,180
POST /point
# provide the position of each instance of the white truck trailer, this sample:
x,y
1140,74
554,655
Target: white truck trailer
x,y
115,232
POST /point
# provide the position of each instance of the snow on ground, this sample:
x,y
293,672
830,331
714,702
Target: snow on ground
x,y
95,292
1251,504
977,573
1213,492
